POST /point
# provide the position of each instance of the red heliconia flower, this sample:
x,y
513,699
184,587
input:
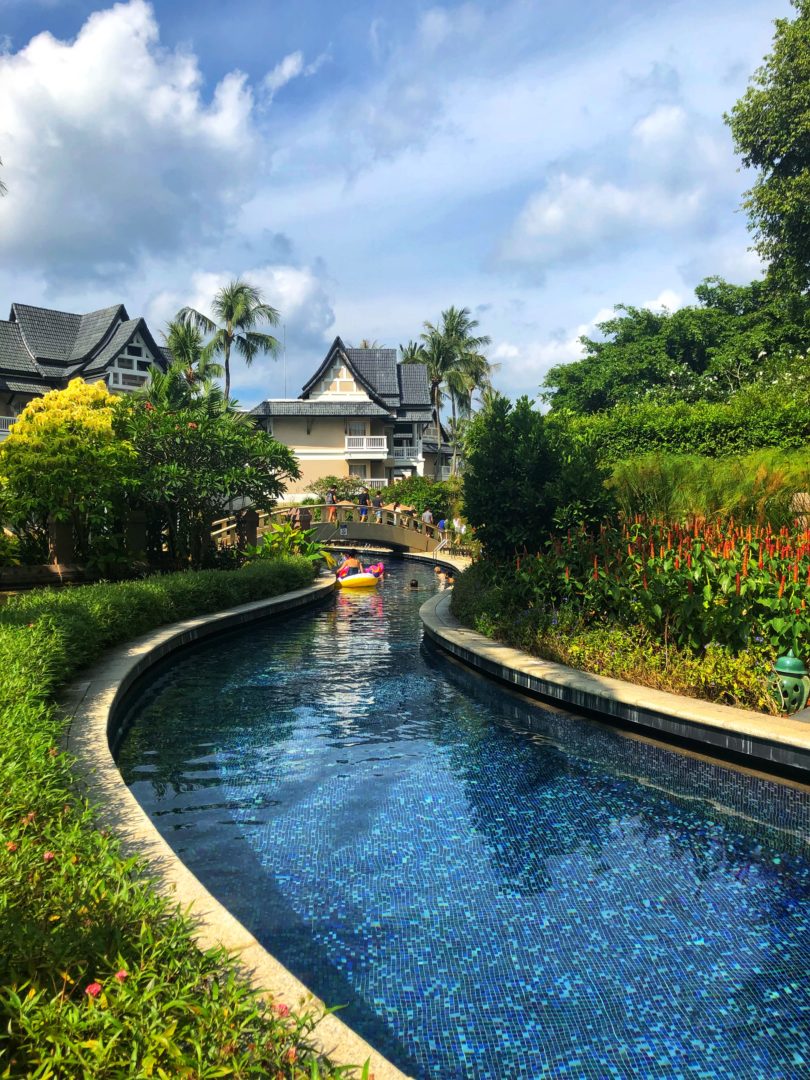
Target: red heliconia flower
x,y
760,562
567,574
737,583
690,587
796,572
781,586
677,563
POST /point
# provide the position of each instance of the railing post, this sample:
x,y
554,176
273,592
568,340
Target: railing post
x,y
247,528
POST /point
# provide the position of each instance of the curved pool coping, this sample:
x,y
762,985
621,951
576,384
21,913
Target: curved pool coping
x,y
95,706
770,743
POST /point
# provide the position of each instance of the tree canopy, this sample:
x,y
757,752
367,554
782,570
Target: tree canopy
x,y
771,129
733,336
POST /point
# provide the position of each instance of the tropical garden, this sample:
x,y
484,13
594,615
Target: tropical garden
x,y
99,975
654,523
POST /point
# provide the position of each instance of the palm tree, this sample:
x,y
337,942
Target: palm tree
x,y
366,344
240,307
185,342
452,354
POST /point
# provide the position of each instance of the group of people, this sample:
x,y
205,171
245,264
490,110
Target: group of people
x,y
367,503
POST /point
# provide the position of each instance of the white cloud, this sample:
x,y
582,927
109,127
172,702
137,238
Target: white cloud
x,y
289,68
110,150
662,125
576,217
667,298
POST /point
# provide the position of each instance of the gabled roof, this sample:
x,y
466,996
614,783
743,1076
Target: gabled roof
x,y
414,388
338,348
50,347
378,369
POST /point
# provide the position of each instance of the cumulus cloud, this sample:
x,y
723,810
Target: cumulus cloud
x,y
667,299
576,217
111,150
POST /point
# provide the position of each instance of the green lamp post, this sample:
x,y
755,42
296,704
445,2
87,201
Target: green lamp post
x,y
789,683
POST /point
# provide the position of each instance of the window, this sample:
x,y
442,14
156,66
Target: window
x,y
125,362
355,427
143,365
115,376
359,471
133,380
134,350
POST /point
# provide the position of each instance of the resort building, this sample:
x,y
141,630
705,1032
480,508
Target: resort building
x,y
361,414
42,349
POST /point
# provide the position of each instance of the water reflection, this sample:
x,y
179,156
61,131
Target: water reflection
x,y
495,888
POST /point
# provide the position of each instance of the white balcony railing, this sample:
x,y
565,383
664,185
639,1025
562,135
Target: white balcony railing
x,y
5,426
366,442
407,451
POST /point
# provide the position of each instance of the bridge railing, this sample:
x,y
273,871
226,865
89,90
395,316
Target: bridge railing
x,y
226,532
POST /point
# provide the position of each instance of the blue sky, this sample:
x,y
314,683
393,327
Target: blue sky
x,y
368,164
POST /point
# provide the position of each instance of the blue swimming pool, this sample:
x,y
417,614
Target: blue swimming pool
x,y
493,889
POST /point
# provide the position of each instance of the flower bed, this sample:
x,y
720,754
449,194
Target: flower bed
x,y
98,975
701,610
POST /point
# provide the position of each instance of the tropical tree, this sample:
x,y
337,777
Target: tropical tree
x,y
185,342
456,366
770,128
365,343
195,456
238,309
64,460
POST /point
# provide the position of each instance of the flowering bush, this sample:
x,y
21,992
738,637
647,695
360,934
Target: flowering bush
x,y
696,589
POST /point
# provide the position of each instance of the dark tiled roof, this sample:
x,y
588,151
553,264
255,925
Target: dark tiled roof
x,y
377,367
415,416
17,387
414,388
54,346
117,343
13,354
93,328
286,407
48,334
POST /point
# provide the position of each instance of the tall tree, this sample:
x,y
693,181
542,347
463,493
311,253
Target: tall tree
x,y
184,341
238,308
451,352
771,129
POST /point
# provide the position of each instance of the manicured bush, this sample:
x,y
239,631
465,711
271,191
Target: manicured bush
x,y
755,418
98,975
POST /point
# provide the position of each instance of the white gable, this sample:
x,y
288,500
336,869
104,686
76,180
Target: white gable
x,y
338,382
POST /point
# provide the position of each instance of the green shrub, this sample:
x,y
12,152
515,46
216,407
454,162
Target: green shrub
x,y
99,976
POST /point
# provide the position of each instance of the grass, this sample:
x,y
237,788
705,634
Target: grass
x,y
99,976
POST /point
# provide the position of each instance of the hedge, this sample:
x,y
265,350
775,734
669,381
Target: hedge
x,y
99,976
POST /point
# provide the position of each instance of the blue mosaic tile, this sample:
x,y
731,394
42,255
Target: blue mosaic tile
x,y
493,889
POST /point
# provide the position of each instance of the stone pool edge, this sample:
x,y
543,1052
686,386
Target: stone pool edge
x,y
760,740
93,704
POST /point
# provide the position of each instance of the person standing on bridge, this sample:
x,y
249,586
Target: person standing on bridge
x,y
377,503
331,503
362,502
427,519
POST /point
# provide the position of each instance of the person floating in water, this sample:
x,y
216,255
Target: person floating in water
x,y
350,565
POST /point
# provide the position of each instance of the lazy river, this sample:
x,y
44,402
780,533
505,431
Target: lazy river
x,y
492,888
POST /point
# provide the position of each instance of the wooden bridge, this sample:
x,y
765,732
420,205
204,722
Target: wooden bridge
x,y
400,530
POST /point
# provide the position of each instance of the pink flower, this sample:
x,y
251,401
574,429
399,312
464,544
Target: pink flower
x,y
282,1009
93,990
122,975
48,856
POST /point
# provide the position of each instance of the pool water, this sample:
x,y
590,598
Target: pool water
x,y
491,888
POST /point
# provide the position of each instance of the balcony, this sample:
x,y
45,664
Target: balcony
x,y
368,447
407,451
5,426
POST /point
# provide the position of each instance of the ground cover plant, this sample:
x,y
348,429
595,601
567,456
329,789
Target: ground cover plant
x,y
98,975
702,609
